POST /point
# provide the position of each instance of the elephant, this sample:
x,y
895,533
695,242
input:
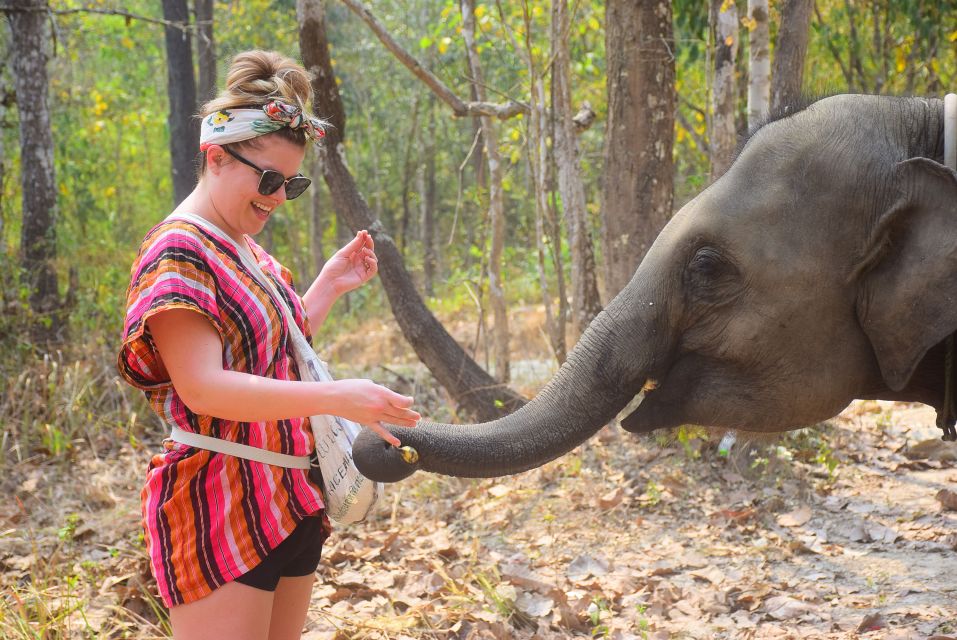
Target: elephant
x,y
820,268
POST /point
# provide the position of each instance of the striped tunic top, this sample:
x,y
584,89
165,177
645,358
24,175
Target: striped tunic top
x,y
209,517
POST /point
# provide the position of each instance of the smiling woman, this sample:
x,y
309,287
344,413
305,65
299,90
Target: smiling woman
x,y
234,538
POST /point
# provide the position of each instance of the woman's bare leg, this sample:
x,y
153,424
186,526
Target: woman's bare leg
x,y
235,611
290,606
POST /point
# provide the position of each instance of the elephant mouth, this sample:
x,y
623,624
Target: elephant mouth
x,y
660,407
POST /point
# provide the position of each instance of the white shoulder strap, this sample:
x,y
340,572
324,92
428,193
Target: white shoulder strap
x,y
304,353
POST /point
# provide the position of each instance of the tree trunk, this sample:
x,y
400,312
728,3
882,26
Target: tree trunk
x,y
476,391
638,180
7,96
343,236
181,83
787,73
759,80
586,303
724,20
408,170
427,198
37,177
496,286
538,162
478,158
855,62
205,50
317,221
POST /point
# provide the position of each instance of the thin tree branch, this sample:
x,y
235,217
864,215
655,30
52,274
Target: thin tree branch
x,y
703,144
459,107
847,73
174,24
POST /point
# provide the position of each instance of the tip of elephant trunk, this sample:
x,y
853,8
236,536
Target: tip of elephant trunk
x,y
379,461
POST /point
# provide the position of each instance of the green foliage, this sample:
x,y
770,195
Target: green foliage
x,y
687,436
599,608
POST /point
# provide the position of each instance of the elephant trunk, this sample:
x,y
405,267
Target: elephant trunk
x,y
604,371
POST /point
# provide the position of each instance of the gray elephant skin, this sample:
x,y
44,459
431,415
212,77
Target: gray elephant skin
x,y
822,267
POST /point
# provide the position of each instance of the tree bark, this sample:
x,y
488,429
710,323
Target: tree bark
x,y
7,99
496,197
427,198
759,58
586,303
181,83
790,50
539,163
317,219
205,50
855,62
638,180
408,171
38,180
724,20
470,386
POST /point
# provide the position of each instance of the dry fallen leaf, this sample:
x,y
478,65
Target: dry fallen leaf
x,y
786,608
751,598
534,605
947,499
795,518
871,622
934,449
611,499
499,491
585,566
735,516
712,574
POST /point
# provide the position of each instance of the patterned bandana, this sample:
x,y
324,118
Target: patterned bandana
x,y
236,125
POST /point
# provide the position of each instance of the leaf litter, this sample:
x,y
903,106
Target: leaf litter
x,y
845,530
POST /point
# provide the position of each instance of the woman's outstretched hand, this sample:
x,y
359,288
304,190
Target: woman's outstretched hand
x,y
371,404
351,266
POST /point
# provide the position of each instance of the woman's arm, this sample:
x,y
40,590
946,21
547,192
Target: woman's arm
x,y
349,268
192,352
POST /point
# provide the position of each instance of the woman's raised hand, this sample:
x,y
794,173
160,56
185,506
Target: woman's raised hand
x,y
371,404
351,266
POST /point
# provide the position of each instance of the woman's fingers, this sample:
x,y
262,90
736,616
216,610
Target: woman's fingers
x,y
356,244
405,419
367,237
383,433
399,411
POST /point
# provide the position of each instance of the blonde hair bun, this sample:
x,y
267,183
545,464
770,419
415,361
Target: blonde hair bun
x,y
257,77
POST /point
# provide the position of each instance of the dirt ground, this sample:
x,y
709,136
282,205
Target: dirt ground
x,y
841,531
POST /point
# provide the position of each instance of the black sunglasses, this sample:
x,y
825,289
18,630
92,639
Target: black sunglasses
x,y
270,181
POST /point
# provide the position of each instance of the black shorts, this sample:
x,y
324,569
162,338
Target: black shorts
x,y
298,555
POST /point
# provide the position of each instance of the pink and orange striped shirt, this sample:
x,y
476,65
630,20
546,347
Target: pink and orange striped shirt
x,y
209,517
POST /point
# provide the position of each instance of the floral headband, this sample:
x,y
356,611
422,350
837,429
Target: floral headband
x,y
236,125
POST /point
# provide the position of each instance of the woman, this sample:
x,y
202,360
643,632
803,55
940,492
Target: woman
x,y
234,543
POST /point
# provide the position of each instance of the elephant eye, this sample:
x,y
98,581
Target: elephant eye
x,y
709,273
708,262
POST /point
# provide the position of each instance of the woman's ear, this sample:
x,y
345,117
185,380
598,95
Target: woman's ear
x,y
215,158
907,295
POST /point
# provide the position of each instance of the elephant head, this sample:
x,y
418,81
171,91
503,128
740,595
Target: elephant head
x,y
820,268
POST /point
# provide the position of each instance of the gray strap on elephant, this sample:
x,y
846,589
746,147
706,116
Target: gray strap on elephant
x,y
948,414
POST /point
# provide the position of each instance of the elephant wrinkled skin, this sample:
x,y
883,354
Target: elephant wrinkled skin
x,y
822,267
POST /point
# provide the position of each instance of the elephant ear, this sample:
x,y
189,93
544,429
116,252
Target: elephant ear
x,y
907,301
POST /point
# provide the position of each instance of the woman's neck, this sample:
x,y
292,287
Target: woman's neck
x,y
200,202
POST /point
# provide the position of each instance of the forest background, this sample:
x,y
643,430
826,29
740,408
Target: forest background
x,y
515,159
